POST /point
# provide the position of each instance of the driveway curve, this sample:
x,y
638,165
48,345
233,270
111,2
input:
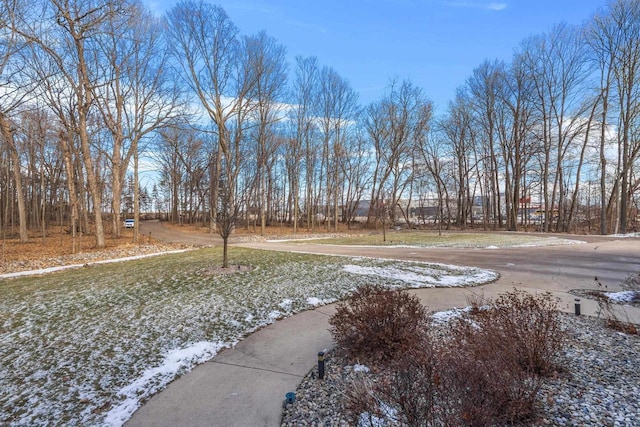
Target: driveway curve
x,y
554,267
245,385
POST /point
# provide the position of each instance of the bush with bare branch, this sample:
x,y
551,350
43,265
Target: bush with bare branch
x,y
529,324
375,323
487,371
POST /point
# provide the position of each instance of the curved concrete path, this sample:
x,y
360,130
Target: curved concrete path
x,y
245,386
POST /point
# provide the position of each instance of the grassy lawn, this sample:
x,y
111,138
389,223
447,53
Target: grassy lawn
x,y
78,344
447,239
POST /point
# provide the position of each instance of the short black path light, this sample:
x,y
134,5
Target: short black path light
x,y
321,365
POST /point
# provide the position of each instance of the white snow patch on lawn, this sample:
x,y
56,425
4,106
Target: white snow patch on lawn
x,y
547,241
444,317
300,239
313,301
625,236
286,304
154,379
621,297
425,277
274,315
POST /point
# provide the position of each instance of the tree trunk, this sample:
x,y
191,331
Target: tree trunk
x,y
7,135
94,188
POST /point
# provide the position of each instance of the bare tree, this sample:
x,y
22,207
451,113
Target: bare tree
x,y
12,93
266,60
556,64
74,59
305,87
355,167
483,95
458,127
615,36
396,124
515,136
216,69
433,153
337,107
137,97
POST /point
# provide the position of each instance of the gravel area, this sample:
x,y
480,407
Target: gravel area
x,y
600,387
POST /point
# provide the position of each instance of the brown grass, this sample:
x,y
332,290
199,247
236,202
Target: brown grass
x,y
58,242
271,230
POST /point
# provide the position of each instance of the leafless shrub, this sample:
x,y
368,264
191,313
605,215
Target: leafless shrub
x,y
375,324
483,379
487,372
411,386
632,283
405,392
477,302
530,325
611,313
362,404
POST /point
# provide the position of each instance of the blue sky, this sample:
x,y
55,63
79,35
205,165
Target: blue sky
x,y
435,43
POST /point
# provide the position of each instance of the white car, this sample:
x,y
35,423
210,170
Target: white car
x,y
129,223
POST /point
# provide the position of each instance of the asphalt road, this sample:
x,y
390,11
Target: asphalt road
x,y
558,267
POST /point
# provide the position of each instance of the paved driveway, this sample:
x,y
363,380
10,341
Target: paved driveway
x,y
561,267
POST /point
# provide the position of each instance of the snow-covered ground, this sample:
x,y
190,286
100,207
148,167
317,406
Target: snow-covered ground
x,y
416,275
88,346
627,235
622,297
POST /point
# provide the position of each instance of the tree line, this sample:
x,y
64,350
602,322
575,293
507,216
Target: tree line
x,y
240,136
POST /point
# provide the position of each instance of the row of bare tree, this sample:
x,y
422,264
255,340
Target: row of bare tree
x,y
89,88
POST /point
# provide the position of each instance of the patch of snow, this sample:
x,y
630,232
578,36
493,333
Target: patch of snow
x,y
300,239
274,315
360,368
388,416
286,304
492,247
154,379
547,241
313,301
443,317
625,236
425,277
621,297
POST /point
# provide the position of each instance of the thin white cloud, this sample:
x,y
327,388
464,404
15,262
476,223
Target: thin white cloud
x,y
496,6
478,5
